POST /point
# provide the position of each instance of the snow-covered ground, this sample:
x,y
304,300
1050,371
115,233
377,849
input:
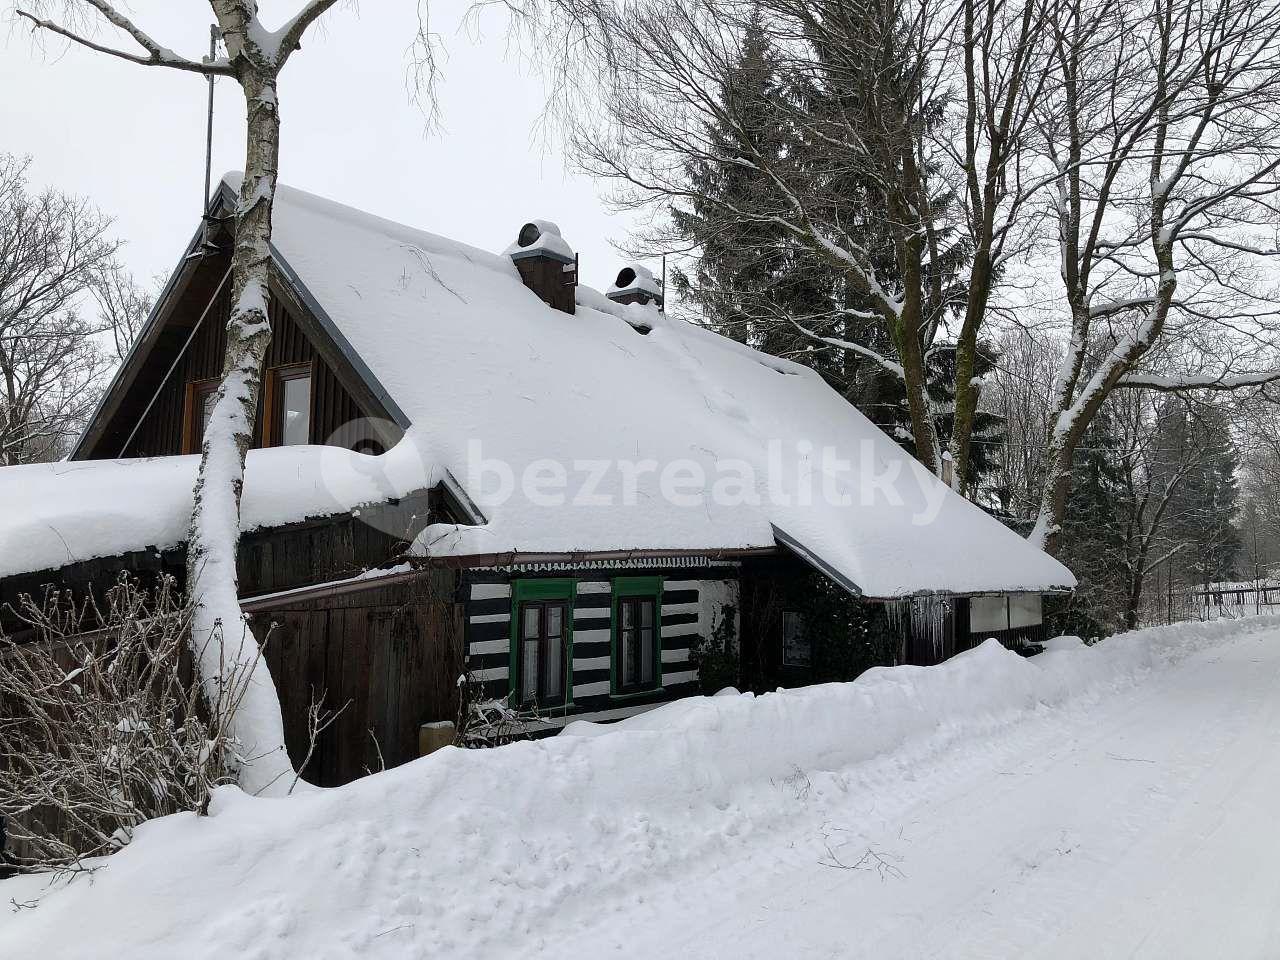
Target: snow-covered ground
x,y
1114,801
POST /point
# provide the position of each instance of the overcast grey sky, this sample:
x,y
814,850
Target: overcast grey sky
x,y
131,138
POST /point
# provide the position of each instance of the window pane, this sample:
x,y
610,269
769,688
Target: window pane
x,y
646,655
628,614
628,657
1024,610
296,411
529,672
555,620
206,410
531,615
796,650
554,677
988,613
646,613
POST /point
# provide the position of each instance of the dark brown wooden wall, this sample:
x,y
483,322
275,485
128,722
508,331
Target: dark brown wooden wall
x,y
391,655
332,406
388,657
554,282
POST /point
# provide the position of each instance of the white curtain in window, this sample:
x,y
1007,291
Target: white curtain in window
x,y
988,614
1024,610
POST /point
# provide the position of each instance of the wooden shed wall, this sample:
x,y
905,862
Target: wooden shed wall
x,y
387,657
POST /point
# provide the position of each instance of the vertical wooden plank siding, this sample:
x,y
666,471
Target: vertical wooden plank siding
x,y
333,409
386,657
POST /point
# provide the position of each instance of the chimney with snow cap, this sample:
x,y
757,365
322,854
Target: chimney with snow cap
x,y
635,284
547,265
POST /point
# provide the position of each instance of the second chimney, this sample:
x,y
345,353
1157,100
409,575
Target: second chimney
x,y
635,284
547,265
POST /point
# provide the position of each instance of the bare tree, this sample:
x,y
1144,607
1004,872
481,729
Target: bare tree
x,y
1020,393
52,247
1153,477
1260,449
122,305
1162,124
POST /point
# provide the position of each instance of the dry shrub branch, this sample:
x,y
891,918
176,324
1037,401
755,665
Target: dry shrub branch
x,y
101,726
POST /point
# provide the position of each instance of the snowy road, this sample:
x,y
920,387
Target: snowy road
x,y
1140,826
1115,801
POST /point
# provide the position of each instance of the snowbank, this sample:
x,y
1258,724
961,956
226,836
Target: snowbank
x,y
465,852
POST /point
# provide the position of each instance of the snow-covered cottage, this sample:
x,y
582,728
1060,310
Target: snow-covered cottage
x,y
471,461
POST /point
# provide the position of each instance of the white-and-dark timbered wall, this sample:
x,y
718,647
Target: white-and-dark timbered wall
x,y
684,619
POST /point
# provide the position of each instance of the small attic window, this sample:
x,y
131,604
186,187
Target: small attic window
x,y
288,406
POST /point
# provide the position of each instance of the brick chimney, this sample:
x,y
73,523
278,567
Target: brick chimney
x,y
547,265
635,284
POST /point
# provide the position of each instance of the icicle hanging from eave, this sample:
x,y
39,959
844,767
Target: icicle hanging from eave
x,y
922,617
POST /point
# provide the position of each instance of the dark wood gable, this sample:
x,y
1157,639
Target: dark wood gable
x,y
150,408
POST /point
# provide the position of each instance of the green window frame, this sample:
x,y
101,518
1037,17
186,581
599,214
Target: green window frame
x,y
631,597
541,597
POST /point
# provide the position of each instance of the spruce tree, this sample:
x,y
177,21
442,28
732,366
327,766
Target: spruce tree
x,y
751,278
1093,544
745,268
1212,493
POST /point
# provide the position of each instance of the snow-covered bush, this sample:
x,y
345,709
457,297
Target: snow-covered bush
x,y
101,726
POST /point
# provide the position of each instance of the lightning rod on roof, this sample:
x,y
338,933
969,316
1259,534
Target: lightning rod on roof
x,y
208,130
663,305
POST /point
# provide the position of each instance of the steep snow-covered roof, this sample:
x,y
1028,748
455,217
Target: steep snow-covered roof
x,y
615,428
487,372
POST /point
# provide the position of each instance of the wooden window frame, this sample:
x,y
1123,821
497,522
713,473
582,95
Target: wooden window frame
x,y
273,400
628,589
541,593
192,408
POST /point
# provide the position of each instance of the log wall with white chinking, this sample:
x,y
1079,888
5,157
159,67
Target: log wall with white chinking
x,y
692,590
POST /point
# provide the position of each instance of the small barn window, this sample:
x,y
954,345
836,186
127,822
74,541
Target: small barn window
x,y
288,406
637,634
1024,610
797,650
988,615
542,646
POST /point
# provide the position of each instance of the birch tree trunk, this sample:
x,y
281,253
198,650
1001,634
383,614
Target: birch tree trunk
x,y
224,643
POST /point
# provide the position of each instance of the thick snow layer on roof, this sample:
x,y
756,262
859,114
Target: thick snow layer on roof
x,y
603,438
616,428
60,513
